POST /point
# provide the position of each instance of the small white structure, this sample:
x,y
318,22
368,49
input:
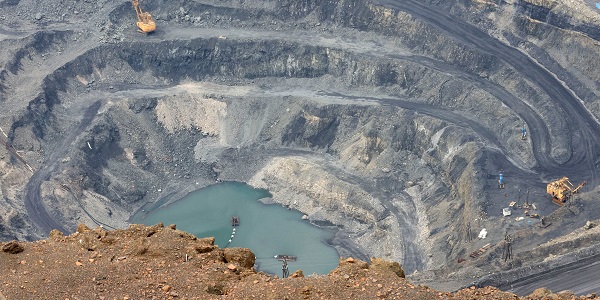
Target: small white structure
x,y
506,211
482,234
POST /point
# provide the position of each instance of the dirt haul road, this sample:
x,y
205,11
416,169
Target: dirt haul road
x,y
583,157
33,200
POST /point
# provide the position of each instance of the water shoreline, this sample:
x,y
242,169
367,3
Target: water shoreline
x,y
295,244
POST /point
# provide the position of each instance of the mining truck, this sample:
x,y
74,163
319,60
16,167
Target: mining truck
x,y
145,22
561,190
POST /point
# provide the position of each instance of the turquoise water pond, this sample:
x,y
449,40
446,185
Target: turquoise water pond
x,y
268,230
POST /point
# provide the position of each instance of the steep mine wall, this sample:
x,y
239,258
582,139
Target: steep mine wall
x,y
561,35
570,53
376,181
373,176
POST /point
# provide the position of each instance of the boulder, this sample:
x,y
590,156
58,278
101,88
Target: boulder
x,y
203,245
567,295
352,263
217,289
203,248
243,257
541,293
297,274
12,247
207,241
140,247
384,265
81,228
589,225
55,233
88,242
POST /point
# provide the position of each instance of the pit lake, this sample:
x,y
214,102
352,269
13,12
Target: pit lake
x,y
268,230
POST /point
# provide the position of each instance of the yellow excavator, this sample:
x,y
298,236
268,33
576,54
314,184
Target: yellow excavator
x,y
145,22
561,190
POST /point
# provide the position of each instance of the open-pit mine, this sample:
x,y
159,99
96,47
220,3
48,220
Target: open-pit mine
x,y
390,121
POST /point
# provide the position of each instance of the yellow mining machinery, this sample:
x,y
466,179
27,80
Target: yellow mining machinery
x,y
145,22
561,190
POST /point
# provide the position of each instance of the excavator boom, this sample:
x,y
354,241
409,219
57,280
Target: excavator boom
x,y
579,187
145,22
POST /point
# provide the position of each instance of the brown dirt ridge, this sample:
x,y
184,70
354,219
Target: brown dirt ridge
x,y
157,262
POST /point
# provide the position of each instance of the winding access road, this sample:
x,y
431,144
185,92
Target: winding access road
x,y
580,277
33,198
584,157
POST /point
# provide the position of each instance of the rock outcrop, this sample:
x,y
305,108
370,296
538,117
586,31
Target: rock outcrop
x,y
12,247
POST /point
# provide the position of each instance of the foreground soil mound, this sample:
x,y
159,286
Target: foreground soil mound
x,y
158,262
